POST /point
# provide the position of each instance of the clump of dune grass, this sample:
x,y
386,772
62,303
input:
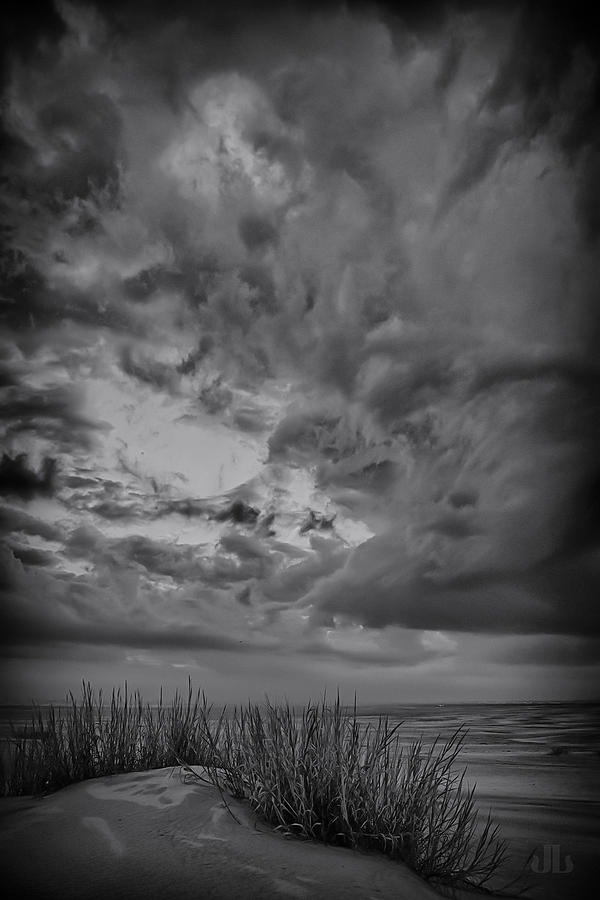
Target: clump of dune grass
x,y
88,738
319,773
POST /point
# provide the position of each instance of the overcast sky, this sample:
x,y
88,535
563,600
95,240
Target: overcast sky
x,y
299,375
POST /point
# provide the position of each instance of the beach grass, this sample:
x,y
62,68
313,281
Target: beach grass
x,y
316,772
89,738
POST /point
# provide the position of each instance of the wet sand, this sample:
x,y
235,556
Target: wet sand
x,y
549,812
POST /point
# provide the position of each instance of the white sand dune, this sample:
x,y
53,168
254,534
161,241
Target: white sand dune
x,y
150,835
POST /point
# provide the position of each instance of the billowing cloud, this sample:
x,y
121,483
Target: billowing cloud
x,y
299,314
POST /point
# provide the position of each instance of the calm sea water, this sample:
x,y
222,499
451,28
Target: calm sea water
x,y
530,727
535,728
536,767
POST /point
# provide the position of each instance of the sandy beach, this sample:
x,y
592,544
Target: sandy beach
x,y
150,835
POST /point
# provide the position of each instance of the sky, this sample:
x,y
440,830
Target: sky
x,y
299,376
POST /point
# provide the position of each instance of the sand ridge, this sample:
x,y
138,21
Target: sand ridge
x,y
154,835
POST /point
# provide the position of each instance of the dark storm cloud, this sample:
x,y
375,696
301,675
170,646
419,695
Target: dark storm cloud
x,y
461,568
81,481
552,63
187,507
374,593
582,516
83,540
316,521
53,413
387,211
407,652
237,557
256,232
150,371
7,376
176,561
41,607
57,403
109,498
403,389
551,650
30,303
578,373
31,556
454,526
22,286
238,512
24,26
540,61
173,637
75,151
288,585
215,396
65,171
142,286
251,419
115,510
483,146
15,520
307,432
17,479
85,653
179,562
243,546
45,628
334,354
84,129
361,475
148,500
